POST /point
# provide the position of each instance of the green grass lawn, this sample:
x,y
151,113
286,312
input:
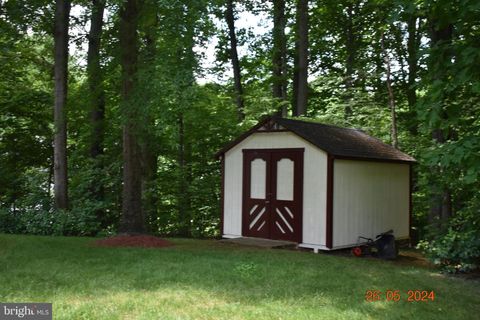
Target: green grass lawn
x,y
205,279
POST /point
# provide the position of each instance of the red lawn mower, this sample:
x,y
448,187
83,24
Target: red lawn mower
x,y
382,247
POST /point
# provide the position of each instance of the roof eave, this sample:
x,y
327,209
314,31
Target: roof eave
x,y
373,159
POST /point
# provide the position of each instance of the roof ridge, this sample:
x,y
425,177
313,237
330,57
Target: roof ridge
x,y
316,123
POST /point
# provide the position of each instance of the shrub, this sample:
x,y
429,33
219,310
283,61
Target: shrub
x,y
458,248
43,222
8,221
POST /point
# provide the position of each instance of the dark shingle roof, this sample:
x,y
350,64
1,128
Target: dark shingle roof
x,y
343,142
337,141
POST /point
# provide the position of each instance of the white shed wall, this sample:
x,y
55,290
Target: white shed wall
x,y
369,198
314,183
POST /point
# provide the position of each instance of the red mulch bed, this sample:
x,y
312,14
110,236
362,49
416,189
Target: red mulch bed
x,y
143,241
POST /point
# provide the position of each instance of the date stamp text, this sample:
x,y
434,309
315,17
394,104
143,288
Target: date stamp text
x,y
397,295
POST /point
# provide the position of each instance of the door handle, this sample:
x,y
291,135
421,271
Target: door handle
x,y
267,201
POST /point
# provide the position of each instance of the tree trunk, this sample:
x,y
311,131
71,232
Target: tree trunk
x,y
183,196
149,173
351,51
398,36
391,97
413,45
50,178
132,220
301,69
441,199
95,85
295,79
237,76
279,54
149,148
187,62
97,101
412,49
62,12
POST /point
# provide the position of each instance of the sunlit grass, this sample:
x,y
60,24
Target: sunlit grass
x,y
205,279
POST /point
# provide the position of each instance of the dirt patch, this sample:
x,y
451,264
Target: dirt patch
x,y
413,258
473,275
143,241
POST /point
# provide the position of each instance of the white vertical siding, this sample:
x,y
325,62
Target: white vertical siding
x,y
369,198
314,183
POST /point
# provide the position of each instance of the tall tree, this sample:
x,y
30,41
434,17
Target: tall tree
x,y
279,54
62,12
391,96
94,72
97,95
183,199
132,220
414,29
148,145
237,76
413,42
351,52
300,83
186,64
441,39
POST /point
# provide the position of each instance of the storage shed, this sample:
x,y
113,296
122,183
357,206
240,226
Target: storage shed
x,y
318,185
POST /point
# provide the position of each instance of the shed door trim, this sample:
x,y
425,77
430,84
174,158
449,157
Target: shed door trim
x,y
329,203
271,217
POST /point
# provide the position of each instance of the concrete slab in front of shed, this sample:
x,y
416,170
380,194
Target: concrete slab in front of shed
x,y
259,242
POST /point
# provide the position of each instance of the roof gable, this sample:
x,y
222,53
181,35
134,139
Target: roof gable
x,y
336,141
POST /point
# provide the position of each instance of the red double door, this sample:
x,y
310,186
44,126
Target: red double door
x,y
273,193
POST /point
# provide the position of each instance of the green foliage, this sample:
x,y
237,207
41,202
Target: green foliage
x,y
448,108
24,114
207,125
104,211
458,248
33,213
329,99
8,222
60,222
57,223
